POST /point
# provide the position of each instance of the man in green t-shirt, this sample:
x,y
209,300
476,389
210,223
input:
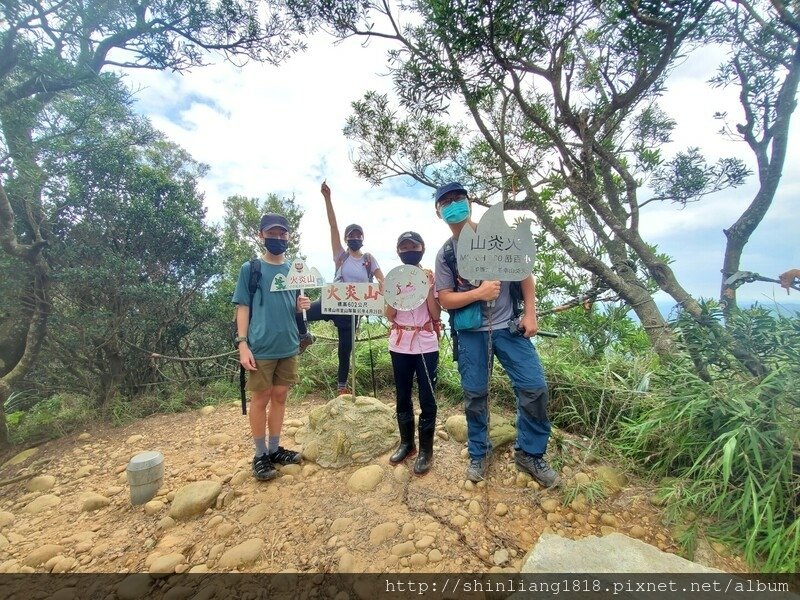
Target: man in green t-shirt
x,y
268,346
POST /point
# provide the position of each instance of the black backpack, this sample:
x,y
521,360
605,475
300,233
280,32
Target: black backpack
x,y
449,256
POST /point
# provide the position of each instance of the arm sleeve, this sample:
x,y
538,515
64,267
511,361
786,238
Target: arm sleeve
x,y
241,295
443,276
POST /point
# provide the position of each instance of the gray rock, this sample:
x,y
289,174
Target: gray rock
x,y
194,499
243,554
41,504
134,586
613,553
501,430
41,483
346,431
365,479
93,501
500,557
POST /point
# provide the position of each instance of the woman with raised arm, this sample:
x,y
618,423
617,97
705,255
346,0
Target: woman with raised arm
x,y
352,266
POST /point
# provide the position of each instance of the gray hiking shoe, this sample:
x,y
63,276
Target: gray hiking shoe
x,y
537,467
476,471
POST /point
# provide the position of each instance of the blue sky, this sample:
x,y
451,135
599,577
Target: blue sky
x,y
265,129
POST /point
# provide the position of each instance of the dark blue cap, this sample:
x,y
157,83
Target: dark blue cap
x,y
446,189
270,220
410,235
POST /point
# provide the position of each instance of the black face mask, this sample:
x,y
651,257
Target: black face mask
x,y
411,257
355,245
275,246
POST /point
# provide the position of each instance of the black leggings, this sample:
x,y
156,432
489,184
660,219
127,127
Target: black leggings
x,y
344,329
405,366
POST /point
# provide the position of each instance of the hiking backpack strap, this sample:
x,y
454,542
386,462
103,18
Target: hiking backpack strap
x,y
367,262
449,256
252,288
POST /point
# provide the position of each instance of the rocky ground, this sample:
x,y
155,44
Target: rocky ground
x,y
211,515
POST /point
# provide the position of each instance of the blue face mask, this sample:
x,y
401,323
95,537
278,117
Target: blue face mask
x,y
276,246
456,212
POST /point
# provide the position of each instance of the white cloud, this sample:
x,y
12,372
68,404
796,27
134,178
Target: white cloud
x,y
269,129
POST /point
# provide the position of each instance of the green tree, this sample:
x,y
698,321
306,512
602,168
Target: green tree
x,y
240,228
130,259
49,49
563,120
764,65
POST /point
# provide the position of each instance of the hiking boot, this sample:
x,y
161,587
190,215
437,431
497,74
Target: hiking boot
x,y
406,447
476,471
423,463
282,456
343,391
263,469
305,341
537,467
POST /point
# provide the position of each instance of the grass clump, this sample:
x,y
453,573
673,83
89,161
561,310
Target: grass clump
x,y
733,444
592,491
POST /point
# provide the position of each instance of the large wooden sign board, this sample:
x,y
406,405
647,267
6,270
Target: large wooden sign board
x,y
496,250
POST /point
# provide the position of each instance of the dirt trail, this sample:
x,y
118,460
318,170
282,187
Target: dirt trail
x,y
310,521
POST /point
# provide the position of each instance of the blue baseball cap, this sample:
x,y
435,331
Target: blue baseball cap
x,y
446,189
271,220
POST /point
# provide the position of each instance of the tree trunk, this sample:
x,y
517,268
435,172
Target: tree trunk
x,y
5,394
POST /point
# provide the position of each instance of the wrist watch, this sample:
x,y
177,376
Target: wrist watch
x,y
239,339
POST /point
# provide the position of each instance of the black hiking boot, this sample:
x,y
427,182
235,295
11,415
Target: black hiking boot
x,y
423,463
263,469
282,456
406,447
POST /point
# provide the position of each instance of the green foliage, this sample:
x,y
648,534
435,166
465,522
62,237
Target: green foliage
x,y
240,241
50,418
588,393
733,443
594,491
770,339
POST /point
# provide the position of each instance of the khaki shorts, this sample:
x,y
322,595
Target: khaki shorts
x,y
276,371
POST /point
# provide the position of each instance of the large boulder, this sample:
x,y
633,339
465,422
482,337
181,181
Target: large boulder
x,y
348,430
613,553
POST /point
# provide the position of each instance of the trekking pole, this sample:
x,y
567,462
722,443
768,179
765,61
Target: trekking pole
x,y
353,333
371,360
